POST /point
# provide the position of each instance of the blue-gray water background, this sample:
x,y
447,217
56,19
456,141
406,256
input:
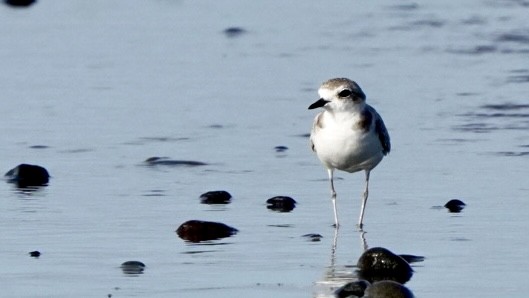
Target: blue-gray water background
x,y
90,89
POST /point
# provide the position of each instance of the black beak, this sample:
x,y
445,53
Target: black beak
x,y
318,104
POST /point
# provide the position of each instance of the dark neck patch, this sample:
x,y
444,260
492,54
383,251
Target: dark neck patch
x,y
365,120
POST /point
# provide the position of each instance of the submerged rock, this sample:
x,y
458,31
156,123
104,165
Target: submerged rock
x,y
39,147
281,204
234,32
387,289
133,267
455,206
25,175
313,237
281,151
215,197
197,230
378,263
352,289
34,253
164,161
19,3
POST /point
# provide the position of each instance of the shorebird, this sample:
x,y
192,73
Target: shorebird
x,y
349,135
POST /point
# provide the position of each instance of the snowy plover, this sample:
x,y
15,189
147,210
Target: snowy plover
x,y
349,135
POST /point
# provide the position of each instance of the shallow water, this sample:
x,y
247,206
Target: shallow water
x,y
90,91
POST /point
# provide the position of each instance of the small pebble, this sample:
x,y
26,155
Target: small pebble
x,y
232,32
35,253
133,267
280,149
313,237
281,204
215,197
455,206
39,147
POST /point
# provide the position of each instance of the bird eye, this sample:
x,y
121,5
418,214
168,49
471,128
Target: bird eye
x,y
345,93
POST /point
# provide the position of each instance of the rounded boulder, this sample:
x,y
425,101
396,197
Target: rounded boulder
x,y
198,231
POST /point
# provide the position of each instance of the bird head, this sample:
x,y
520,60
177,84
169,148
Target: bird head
x,y
339,93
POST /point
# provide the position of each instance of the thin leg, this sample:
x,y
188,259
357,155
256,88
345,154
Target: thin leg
x,y
333,197
331,175
364,201
336,224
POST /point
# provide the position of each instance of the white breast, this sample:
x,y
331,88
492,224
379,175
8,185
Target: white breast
x,y
340,143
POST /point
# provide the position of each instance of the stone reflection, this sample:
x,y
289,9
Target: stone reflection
x,y
379,273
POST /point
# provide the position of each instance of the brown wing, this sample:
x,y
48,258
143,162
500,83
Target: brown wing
x,y
382,132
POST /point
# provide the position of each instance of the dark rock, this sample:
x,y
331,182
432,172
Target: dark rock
x,y
387,289
197,230
215,197
280,149
19,3
313,237
378,263
455,206
35,253
281,204
133,267
25,175
164,161
234,32
352,289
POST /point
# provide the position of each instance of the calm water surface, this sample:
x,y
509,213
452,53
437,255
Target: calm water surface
x,y
99,87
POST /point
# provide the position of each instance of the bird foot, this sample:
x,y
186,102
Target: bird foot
x,y
360,227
